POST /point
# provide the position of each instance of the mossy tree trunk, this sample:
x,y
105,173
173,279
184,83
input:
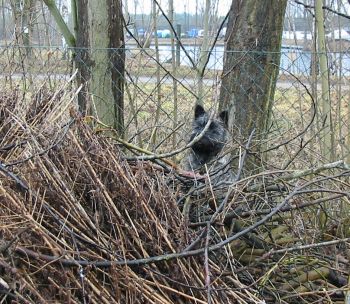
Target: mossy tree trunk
x,y
99,57
101,30
251,65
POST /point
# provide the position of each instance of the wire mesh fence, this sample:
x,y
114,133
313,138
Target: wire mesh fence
x,y
90,205
159,92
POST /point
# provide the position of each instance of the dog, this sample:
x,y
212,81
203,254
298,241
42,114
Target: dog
x,y
206,151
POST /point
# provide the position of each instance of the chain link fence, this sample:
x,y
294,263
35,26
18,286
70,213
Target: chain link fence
x,y
161,87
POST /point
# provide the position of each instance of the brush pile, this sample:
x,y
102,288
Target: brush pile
x,y
79,223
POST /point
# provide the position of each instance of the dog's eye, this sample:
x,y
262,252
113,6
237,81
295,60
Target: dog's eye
x,y
212,126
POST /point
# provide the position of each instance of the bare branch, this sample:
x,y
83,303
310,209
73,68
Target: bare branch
x,y
323,7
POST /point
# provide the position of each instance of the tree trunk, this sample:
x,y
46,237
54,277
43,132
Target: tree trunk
x,y
251,65
204,53
100,59
68,36
16,13
174,64
327,131
27,27
159,85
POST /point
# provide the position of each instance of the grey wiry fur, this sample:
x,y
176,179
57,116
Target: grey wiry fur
x,y
212,142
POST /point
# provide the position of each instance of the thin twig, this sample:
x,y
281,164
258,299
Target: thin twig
x,y
308,246
152,156
307,6
57,141
206,264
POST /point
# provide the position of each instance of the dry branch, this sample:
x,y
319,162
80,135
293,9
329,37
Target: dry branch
x,y
79,222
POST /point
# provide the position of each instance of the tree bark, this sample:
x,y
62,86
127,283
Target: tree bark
x,y
116,45
251,65
100,58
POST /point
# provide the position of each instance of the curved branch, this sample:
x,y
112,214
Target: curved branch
x,y
68,36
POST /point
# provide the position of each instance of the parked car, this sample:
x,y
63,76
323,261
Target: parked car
x,y
141,32
192,33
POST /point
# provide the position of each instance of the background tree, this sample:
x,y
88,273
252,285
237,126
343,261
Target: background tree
x,y
327,136
251,64
204,52
22,14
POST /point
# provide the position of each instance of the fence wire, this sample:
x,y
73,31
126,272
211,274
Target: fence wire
x,y
159,94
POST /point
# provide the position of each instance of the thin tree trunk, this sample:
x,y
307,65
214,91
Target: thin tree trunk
x,y
203,56
25,26
74,15
313,84
158,84
173,69
70,39
47,39
16,13
327,131
3,35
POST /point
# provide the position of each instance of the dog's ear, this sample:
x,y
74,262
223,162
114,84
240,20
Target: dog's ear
x,y
198,111
224,117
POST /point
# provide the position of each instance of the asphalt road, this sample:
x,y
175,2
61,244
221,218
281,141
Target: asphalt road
x,y
186,82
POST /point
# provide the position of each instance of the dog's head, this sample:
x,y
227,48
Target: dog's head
x,y
214,137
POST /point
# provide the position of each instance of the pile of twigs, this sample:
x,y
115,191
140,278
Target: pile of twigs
x,y
81,223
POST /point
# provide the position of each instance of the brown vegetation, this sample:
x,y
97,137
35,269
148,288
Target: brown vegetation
x,y
82,223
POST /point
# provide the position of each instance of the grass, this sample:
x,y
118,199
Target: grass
x,y
69,199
